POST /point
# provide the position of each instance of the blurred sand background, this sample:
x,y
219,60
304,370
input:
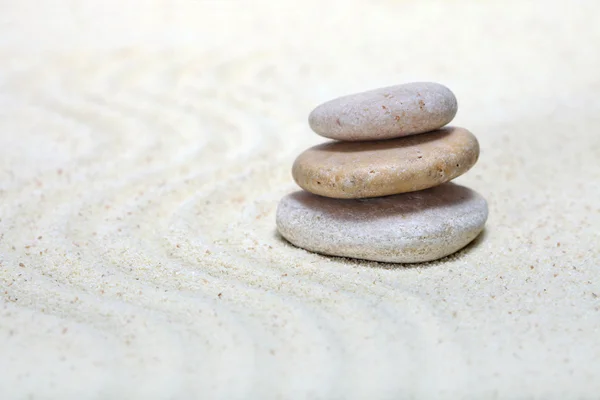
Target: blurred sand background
x,y
144,146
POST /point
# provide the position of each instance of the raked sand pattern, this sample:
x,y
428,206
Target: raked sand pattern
x,y
143,151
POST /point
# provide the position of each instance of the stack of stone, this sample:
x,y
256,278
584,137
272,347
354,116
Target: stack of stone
x,y
381,190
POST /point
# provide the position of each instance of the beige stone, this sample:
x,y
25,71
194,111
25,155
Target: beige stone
x,y
380,168
385,113
409,227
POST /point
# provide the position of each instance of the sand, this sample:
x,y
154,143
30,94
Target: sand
x,y
144,147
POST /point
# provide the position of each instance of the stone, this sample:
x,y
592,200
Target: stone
x,y
404,228
385,113
381,168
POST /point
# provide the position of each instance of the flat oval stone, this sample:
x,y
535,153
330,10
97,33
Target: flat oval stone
x,y
385,113
381,168
405,228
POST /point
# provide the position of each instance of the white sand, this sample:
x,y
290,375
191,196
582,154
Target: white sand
x,y
144,146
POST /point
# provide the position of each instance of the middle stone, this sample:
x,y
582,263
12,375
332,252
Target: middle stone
x,y
350,170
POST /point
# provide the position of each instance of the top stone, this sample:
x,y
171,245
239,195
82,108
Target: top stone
x,y
385,113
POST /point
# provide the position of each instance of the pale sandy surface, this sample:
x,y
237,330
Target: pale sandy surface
x,y
144,146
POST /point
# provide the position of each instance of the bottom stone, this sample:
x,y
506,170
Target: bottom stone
x,y
404,228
